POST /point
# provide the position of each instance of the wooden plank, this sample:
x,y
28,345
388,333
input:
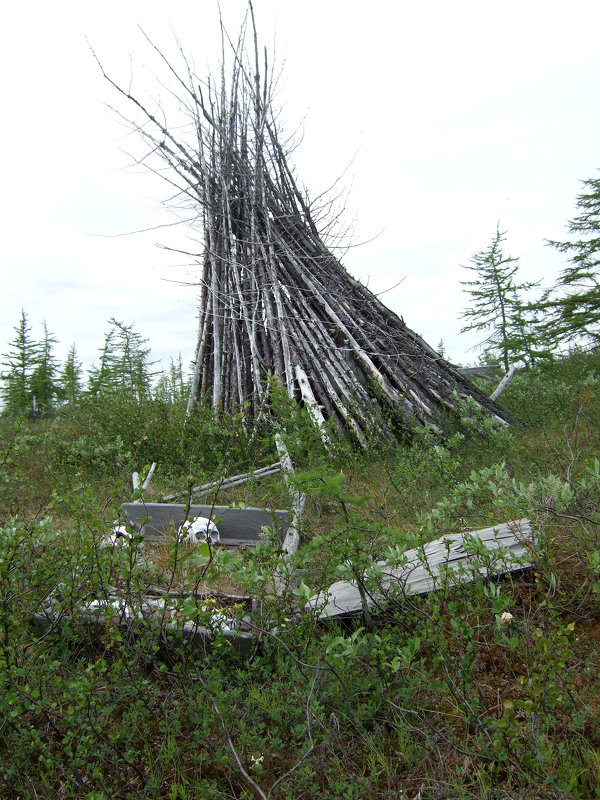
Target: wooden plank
x,y
503,383
424,568
480,371
236,525
93,617
225,483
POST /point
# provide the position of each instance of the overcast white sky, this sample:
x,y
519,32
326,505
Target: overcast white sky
x,y
460,114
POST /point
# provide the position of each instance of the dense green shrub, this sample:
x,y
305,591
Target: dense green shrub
x,y
482,690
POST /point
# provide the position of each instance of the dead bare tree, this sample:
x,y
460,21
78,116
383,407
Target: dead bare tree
x,y
274,300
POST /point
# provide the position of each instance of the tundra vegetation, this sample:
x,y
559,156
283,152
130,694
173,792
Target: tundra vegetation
x,y
483,690
486,689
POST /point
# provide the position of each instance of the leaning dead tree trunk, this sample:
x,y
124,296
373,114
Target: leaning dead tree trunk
x,y
274,300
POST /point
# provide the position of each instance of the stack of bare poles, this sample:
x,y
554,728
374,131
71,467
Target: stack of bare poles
x,y
274,300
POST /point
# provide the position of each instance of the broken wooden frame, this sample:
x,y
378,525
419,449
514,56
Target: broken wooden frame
x,y
481,372
225,483
157,613
135,479
160,609
451,560
503,383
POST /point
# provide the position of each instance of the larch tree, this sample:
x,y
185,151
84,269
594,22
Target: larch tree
x,y
172,385
125,365
69,383
43,385
496,305
20,362
574,315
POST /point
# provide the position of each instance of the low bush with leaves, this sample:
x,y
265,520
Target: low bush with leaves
x,y
486,689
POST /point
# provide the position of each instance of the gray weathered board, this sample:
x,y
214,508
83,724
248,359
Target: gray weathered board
x,y
94,617
237,526
423,568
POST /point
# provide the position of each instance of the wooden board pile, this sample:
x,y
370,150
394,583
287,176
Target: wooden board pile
x,y
274,300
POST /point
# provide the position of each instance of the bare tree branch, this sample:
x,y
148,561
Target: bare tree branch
x,y
275,300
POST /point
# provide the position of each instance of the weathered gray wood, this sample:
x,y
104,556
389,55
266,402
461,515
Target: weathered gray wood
x,y
310,402
93,615
426,567
135,480
148,477
225,483
237,526
503,383
292,536
275,301
479,371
